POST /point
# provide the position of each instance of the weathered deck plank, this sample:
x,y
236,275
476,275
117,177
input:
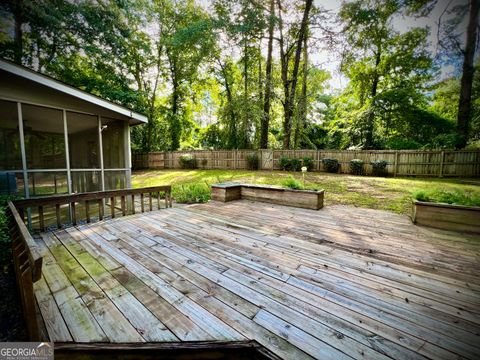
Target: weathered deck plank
x,y
330,284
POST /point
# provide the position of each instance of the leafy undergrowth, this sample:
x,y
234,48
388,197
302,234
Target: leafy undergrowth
x,y
468,198
191,193
394,194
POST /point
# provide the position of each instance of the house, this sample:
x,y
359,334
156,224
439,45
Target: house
x,y
58,139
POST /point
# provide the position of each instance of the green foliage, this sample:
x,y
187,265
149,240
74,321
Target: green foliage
x,y
308,162
5,241
356,167
290,164
253,162
292,183
379,167
188,161
458,197
331,165
191,193
284,163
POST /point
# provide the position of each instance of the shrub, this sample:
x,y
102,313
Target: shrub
x,y
308,162
252,161
331,165
379,167
290,164
295,164
191,193
458,197
188,161
356,166
292,183
204,162
284,163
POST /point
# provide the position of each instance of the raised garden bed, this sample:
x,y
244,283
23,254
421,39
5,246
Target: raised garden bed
x,y
307,199
447,216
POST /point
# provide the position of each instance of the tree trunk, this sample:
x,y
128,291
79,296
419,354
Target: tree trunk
x,y
465,102
302,111
18,34
268,82
246,114
373,92
176,128
289,103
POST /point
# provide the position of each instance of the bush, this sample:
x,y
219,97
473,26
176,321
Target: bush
x,y
284,163
295,164
308,162
252,161
191,193
204,162
290,164
331,165
5,241
458,197
356,167
292,183
379,167
188,161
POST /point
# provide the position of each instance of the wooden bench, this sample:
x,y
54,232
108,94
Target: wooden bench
x,y
307,199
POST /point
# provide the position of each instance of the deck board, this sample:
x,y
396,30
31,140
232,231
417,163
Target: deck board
x,y
339,283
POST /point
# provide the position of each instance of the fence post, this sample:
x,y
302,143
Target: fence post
x,y
395,164
442,160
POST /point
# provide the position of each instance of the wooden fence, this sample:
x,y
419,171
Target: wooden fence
x,y
464,163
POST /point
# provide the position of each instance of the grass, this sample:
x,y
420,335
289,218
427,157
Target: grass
x,y
394,194
468,198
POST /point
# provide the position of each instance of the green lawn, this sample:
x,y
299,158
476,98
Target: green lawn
x,y
393,194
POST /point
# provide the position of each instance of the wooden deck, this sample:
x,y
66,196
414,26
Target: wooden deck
x,y
338,283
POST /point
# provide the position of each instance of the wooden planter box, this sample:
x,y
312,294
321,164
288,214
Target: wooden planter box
x,y
447,216
307,199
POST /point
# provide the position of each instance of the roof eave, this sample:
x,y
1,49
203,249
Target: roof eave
x,y
134,117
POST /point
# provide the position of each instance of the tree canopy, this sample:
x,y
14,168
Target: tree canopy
x,y
232,74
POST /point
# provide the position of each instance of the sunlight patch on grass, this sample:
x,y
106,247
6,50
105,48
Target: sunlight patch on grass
x,y
394,194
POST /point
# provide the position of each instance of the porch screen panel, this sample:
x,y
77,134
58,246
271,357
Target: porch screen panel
x,y
47,183
86,181
113,142
83,141
44,137
10,153
115,180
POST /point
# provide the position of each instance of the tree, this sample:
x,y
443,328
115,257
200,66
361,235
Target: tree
x,y
265,122
388,72
289,79
465,101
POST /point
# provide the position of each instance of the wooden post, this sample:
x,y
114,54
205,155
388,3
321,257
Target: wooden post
x,y
87,210
112,206
57,212
273,160
442,160
395,164
318,160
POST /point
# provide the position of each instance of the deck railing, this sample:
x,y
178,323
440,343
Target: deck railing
x,y
27,262
72,209
27,257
